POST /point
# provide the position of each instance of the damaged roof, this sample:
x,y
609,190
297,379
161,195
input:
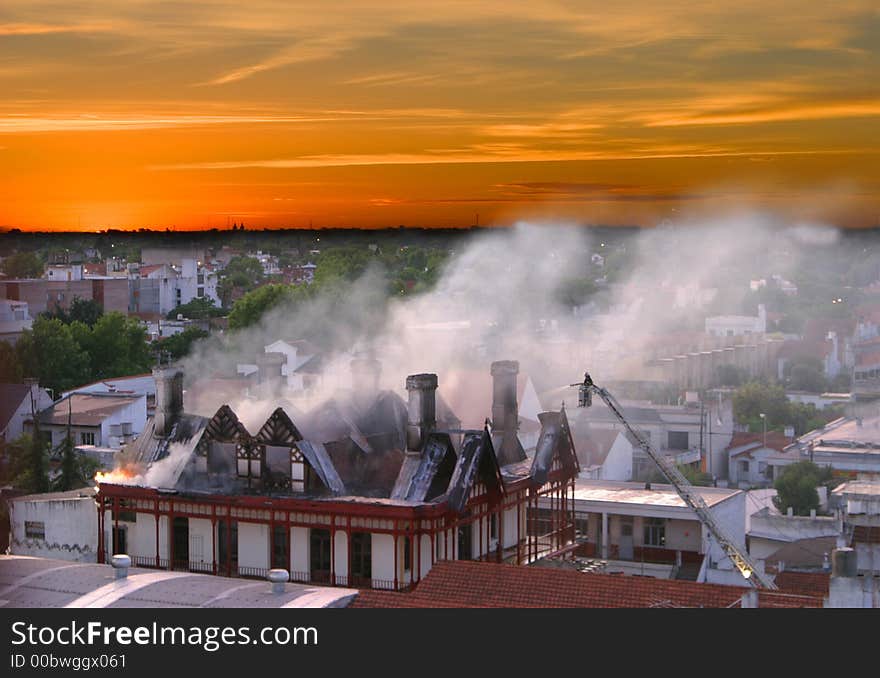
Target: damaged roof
x,y
419,473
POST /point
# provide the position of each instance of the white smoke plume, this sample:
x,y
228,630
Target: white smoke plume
x,y
500,298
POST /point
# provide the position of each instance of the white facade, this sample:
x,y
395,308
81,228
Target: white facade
x,y
59,525
119,427
737,325
15,426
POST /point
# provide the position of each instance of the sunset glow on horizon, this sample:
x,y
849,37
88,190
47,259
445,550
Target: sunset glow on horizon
x,y
368,114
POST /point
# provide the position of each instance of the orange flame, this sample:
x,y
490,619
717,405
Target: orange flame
x,y
120,475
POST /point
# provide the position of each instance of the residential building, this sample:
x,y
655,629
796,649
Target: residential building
x,y
849,445
93,418
783,542
44,295
858,503
369,491
695,433
737,325
649,528
17,404
604,454
157,289
15,318
756,460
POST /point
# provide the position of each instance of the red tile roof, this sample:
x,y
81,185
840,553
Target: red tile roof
x,y
803,583
467,584
775,440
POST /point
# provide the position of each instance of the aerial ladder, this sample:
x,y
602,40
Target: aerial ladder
x,y
685,490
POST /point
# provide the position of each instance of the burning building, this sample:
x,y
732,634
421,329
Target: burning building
x,y
368,490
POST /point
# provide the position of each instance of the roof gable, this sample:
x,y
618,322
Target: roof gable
x,y
476,459
554,444
278,430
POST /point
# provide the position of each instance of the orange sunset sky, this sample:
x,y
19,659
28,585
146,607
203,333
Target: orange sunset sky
x,y
136,113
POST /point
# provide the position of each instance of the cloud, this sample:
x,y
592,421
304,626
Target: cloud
x,y
48,29
509,156
781,113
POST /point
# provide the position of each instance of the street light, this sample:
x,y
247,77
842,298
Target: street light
x,y
764,417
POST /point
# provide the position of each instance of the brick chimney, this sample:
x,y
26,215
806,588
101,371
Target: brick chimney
x,y
421,410
169,398
505,409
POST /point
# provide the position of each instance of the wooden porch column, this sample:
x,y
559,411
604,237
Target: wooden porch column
x,y
394,539
157,517
332,551
101,558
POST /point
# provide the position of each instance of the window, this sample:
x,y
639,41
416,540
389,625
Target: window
x,y
120,540
200,292
227,540
127,517
655,532
280,550
678,440
361,555
87,438
200,279
407,558
626,526
319,554
582,526
34,530
744,468
493,526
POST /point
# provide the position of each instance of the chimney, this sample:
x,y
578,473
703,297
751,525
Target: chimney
x,y
421,410
505,409
844,563
365,375
169,398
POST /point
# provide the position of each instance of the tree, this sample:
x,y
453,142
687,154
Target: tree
x,y
23,265
806,374
179,345
49,352
10,369
199,307
756,398
243,273
731,375
86,311
341,264
796,487
117,346
28,456
250,308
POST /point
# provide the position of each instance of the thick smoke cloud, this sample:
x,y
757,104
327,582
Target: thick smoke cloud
x,y
501,297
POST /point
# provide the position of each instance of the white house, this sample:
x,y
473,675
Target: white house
x,y
100,419
792,541
737,325
16,401
15,318
604,454
755,460
636,523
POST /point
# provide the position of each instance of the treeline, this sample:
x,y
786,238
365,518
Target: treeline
x,y
76,347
